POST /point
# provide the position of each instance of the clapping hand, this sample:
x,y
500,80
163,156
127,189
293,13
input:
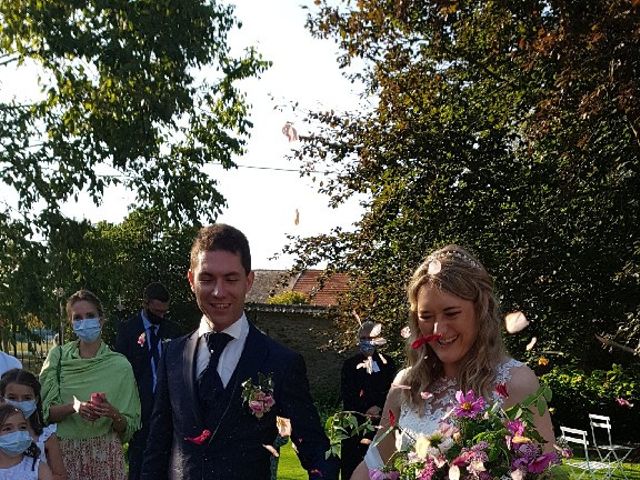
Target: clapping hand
x,y
86,410
103,408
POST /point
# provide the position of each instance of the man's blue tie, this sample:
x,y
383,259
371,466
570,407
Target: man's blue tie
x,y
209,383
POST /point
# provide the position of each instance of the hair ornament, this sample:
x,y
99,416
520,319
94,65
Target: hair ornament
x,y
435,266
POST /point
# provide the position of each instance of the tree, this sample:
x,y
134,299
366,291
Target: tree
x,y
505,126
142,94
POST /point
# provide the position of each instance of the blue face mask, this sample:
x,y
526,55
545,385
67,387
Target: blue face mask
x,y
15,443
88,329
27,407
367,347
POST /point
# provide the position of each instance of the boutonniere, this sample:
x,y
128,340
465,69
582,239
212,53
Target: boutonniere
x,y
258,397
200,439
142,339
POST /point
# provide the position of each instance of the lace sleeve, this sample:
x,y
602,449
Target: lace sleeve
x,y
503,373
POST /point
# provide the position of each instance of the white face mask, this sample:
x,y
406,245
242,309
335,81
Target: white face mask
x,y
88,329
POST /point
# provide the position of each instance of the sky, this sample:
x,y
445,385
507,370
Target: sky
x,y
260,202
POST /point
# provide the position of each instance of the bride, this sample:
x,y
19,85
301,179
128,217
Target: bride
x,y
455,344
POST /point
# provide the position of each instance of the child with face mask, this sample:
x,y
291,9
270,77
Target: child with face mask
x,y
91,393
19,457
21,389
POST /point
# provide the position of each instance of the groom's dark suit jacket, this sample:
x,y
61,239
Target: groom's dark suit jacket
x,y
236,450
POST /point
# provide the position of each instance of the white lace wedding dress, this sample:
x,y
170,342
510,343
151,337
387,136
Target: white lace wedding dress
x,y
444,391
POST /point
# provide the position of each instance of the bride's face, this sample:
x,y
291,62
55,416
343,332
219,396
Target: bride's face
x,y
451,317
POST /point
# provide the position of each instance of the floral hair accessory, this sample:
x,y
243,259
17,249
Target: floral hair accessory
x,y
435,266
200,439
142,339
424,340
258,397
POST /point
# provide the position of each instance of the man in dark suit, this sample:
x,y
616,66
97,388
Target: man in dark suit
x,y
202,426
365,381
140,340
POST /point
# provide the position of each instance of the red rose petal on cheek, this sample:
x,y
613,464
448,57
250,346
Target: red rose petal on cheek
x,y
425,339
392,419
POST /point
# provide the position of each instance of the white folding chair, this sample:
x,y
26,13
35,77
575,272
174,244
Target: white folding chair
x,y
611,454
573,435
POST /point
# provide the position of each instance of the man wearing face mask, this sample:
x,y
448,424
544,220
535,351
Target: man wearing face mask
x,y
365,381
140,340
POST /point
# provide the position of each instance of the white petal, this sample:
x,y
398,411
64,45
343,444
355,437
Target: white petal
x,y
515,322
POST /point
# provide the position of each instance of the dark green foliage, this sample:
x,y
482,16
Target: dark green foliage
x,y
141,94
504,126
576,393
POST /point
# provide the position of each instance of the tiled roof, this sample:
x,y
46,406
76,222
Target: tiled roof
x,y
270,282
322,294
267,283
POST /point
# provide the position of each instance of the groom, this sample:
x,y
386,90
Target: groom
x,y
201,428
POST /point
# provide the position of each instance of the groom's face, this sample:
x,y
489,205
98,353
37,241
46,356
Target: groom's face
x,y
220,284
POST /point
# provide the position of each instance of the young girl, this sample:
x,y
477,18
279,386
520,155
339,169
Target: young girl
x,y
21,389
15,441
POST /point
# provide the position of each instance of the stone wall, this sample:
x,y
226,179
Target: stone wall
x,y
308,334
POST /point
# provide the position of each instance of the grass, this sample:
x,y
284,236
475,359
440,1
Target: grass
x,y
631,470
289,467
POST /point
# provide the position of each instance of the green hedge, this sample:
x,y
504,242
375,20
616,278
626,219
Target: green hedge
x,y
577,393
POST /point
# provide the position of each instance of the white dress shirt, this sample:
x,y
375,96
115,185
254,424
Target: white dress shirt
x,y
230,355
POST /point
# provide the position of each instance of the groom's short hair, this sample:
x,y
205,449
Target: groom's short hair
x,y
222,237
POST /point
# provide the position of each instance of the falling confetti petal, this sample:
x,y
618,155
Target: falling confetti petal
x,y
501,389
376,330
400,386
434,267
515,322
624,402
290,132
405,332
426,395
296,220
531,343
365,441
271,449
419,342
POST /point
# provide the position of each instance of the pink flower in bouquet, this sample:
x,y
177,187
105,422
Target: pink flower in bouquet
x,y
376,474
469,405
543,462
516,427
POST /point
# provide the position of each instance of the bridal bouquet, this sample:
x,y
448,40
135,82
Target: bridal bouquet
x,y
476,441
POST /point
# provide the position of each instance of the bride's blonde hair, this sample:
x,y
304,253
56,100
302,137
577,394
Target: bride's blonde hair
x,y
454,270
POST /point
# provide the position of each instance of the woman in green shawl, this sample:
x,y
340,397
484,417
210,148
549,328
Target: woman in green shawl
x,y
91,393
